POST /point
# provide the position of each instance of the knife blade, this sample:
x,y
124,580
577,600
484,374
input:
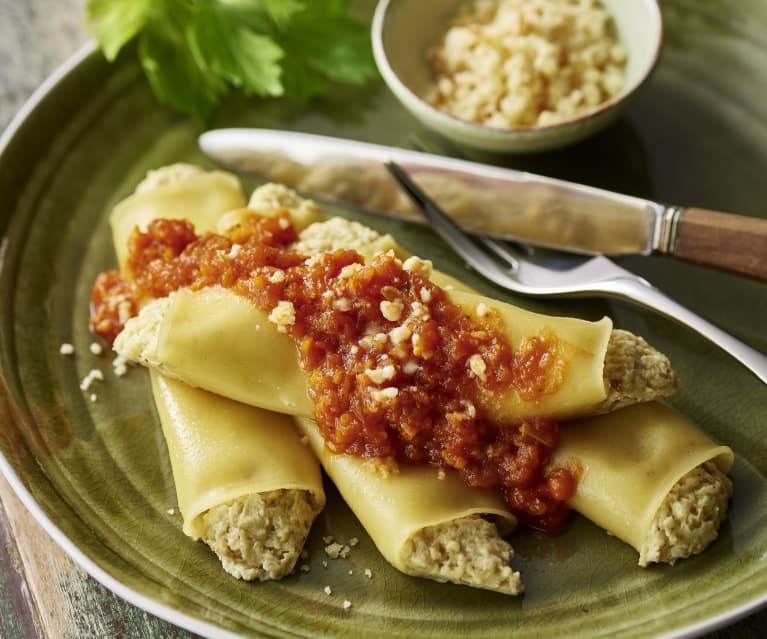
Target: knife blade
x,y
494,201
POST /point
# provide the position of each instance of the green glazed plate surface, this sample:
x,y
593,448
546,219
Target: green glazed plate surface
x,y
96,473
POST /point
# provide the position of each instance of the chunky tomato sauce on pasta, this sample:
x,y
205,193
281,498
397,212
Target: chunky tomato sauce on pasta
x,y
396,370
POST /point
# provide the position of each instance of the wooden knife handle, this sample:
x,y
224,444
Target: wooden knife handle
x,y
726,241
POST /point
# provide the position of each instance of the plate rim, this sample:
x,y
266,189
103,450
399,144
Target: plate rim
x,y
101,575
114,585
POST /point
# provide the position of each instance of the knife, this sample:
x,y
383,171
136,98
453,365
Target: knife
x,y
494,201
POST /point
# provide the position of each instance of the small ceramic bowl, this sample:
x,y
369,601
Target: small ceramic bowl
x,y
403,31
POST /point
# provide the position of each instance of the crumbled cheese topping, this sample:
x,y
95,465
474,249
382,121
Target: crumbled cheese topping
x,y
273,195
419,311
95,348
349,270
382,374
417,343
66,349
92,376
478,366
415,264
347,604
328,590
342,304
380,339
390,392
392,311
284,314
471,410
336,550
400,334
410,367
277,276
120,365
510,63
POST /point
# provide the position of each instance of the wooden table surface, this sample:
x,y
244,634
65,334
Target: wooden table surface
x,y
43,594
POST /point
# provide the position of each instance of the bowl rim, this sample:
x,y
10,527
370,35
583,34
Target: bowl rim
x,y
449,120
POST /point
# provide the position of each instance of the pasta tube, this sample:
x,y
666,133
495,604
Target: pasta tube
x,y
604,369
649,477
179,191
425,522
245,483
247,359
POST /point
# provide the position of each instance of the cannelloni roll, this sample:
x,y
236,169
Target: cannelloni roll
x,y
597,369
179,191
260,367
649,477
425,522
245,483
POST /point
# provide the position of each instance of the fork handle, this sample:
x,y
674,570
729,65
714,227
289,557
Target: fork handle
x,y
649,296
727,241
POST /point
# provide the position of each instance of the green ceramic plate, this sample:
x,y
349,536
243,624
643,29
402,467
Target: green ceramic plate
x,y
96,474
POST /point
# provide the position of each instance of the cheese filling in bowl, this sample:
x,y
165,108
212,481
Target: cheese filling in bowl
x,y
516,76
516,63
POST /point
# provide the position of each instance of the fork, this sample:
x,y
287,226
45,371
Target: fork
x,y
591,276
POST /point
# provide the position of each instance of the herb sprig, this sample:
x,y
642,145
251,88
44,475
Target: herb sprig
x,y
195,52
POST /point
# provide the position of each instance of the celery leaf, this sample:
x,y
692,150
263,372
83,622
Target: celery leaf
x,y
176,78
194,52
114,23
224,47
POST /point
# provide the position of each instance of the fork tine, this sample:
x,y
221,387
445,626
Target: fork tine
x,y
504,252
451,232
597,276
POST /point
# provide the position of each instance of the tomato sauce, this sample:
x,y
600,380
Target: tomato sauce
x,y
397,371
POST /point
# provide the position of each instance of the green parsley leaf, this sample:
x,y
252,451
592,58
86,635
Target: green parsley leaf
x,y
114,23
